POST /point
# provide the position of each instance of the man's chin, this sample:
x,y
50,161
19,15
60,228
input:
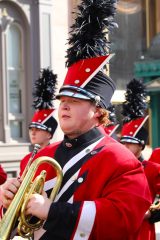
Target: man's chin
x,y
35,142
71,133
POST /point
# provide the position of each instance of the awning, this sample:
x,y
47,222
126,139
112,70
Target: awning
x,y
153,86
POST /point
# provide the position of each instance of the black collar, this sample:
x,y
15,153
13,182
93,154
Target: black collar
x,y
83,139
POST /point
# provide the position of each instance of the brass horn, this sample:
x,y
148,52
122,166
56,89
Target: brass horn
x,y
16,210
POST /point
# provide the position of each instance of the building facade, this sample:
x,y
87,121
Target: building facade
x,y
33,35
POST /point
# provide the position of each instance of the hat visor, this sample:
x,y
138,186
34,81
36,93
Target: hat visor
x,y
128,139
37,125
72,94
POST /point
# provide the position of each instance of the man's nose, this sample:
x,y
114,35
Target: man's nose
x,y
65,106
33,132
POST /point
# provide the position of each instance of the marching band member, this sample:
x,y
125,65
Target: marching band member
x,y
134,136
104,187
104,193
43,124
155,156
155,213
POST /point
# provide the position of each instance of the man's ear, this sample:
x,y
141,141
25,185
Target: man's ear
x,y
98,112
49,135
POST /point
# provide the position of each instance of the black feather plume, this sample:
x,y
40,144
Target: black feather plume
x,y
44,90
135,104
88,34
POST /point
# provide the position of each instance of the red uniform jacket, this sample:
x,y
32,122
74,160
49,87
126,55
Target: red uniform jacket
x,y
104,194
24,162
155,156
152,172
3,175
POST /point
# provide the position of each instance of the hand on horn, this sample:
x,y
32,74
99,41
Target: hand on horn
x,y
8,191
39,205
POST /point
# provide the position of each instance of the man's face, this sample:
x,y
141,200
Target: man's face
x,y
39,136
135,148
76,116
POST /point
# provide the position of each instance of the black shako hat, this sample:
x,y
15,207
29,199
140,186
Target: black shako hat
x,y
44,94
88,53
134,108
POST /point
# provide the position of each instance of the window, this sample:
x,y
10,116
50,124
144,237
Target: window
x,y
14,78
12,75
46,40
128,41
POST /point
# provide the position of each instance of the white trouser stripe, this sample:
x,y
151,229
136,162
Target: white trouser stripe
x,y
86,221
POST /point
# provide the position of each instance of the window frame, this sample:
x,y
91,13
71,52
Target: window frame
x,y
17,116
5,23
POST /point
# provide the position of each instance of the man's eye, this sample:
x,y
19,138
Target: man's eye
x,y
75,100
